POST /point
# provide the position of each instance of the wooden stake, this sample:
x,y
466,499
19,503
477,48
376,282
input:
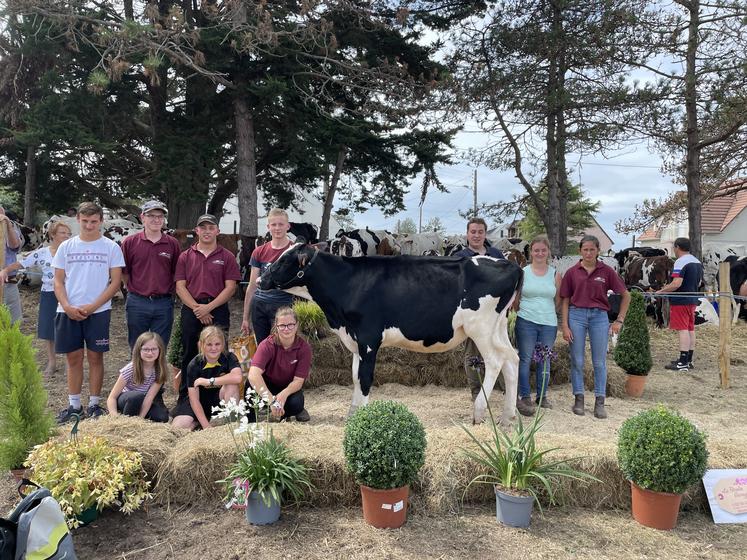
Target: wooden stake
x,y
724,322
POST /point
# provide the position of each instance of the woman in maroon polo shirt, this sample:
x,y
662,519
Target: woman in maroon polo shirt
x,y
280,366
585,305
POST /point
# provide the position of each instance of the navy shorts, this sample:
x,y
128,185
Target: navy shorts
x,y
93,332
47,314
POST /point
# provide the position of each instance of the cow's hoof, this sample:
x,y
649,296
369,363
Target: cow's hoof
x,y
352,410
506,421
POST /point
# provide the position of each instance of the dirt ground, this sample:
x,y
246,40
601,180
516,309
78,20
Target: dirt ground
x,y
208,531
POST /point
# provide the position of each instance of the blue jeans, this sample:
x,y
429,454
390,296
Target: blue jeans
x,y
595,322
528,335
144,314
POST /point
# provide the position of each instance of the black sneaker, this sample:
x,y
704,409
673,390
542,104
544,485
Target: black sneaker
x,y
68,414
678,366
94,411
690,365
303,416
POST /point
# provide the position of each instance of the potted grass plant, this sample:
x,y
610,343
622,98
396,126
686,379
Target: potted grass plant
x,y
662,454
384,446
24,418
515,466
265,473
633,350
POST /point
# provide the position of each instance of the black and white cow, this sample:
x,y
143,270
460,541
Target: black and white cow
x,y
622,256
425,304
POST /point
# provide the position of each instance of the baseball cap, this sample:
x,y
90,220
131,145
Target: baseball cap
x,y
207,218
154,205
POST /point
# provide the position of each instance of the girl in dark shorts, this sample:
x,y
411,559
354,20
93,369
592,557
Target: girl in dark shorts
x,y
42,258
213,375
139,388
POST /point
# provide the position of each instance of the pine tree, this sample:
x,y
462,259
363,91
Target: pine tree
x,y
24,420
633,351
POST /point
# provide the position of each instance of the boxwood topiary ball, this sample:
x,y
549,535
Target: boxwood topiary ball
x,y
384,445
660,450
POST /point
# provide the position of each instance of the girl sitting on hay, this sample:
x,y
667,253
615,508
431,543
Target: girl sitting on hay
x,y
213,375
280,366
139,387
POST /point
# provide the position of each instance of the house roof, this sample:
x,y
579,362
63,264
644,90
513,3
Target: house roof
x,y
651,234
719,211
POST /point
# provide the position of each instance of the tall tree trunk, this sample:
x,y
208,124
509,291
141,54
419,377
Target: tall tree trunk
x,y
129,13
246,165
330,188
556,218
29,201
692,156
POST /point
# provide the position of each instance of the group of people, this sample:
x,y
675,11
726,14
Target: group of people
x,y
81,274
579,303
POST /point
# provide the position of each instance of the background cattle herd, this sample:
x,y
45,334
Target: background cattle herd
x,y
646,269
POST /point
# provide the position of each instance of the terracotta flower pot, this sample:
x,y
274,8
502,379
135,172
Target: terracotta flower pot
x,y
658,510
385,509
634,385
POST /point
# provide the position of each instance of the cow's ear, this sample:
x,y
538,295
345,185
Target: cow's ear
x,y
302,258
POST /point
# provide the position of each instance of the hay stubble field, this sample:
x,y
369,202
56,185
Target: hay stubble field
x,y
187,520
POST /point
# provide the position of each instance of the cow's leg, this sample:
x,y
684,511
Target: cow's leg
x,y
498,355
359,399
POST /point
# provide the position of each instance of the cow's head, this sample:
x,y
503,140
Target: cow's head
x,y
289,271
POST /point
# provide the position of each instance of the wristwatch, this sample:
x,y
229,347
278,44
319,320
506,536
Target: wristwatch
x,y
212,381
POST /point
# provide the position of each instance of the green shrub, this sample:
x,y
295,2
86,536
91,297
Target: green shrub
x,y
176,352
311,319
384,445
633,350
24,420
662,451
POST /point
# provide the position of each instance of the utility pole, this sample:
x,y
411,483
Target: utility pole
x,y
420,218
474,191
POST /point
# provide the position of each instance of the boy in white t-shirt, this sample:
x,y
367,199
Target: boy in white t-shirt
x,y
88,272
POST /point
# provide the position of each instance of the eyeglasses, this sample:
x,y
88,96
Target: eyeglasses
x,y
155,216
149,350
287,327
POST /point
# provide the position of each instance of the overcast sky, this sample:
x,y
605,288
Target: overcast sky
x,y
618,183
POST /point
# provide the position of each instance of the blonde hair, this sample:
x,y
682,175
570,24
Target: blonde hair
x,y
278,212
211,332
545,241
54,226
138,375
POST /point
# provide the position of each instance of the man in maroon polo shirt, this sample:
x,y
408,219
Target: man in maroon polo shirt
x,y
150,262
206,276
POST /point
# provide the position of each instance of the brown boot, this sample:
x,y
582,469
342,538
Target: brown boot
x,y
578,406
524,406
599,411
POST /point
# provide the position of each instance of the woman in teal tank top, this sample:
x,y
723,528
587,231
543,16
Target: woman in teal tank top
x,y
537,321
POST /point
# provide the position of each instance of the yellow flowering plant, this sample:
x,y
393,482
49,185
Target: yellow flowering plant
x,y
88,472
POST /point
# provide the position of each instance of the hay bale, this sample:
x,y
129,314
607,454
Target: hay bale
x,y
188,474
332,364
153,440
193,462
